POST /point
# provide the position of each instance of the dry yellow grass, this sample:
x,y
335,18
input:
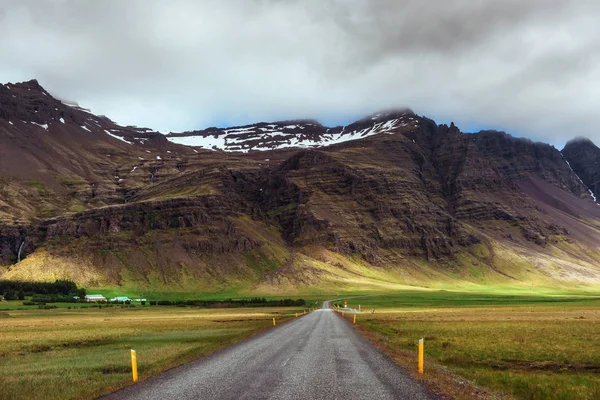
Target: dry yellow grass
x,y
526,351
82,353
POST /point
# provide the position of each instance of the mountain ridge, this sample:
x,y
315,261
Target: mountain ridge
x,y
293,133
390,200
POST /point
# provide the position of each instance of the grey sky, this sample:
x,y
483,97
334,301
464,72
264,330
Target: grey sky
x,y
529,67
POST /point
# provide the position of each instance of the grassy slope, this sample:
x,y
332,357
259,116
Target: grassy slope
x,y
273,270
82,353
531,347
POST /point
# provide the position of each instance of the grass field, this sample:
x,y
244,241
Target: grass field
x,y
528,347
85,352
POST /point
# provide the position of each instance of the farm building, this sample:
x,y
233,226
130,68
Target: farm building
x,y
90,298
120,299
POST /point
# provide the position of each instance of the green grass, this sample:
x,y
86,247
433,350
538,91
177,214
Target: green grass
x,y
164,295
530,347
37,184
260,263
18,305
83,353
417,299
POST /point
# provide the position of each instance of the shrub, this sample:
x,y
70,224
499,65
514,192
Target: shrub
x,y
53,298
10,294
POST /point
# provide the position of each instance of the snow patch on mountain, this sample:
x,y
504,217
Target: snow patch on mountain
x,y
45,126
209,142
116,137
292,134
580,181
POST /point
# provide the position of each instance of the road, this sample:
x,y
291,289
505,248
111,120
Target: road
x,y
317,356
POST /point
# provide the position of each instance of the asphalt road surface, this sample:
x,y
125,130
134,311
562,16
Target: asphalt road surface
x,y
317,356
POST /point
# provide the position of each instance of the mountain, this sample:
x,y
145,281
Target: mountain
x,y
390,201
584,157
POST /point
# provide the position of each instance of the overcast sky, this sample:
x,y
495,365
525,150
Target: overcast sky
x,y
530,67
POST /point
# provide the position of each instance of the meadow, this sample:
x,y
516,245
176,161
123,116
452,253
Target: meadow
x,y
477,345
491,346
81,353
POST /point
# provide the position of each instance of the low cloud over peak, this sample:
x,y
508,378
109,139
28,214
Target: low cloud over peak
x,y
530,68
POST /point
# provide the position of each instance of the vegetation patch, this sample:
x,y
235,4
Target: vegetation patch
x,y
41,292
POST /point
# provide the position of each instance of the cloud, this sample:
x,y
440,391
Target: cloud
x,y
531,68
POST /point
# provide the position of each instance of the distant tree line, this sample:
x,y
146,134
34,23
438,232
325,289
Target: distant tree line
x,y
230,303
65,291
57,291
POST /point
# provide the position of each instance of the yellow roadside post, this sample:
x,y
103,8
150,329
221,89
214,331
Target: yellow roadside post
x,y
343,313
421,356
304,312
354,319
273,321
134,365
296,315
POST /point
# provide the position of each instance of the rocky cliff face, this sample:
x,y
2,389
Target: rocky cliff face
x,y
393,196
421,196
584,157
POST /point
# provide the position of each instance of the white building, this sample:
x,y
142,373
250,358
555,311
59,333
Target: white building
x,y
94,298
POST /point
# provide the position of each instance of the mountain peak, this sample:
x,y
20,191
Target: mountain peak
x,y
583,155
304,133
303,121
32,83
579,140
28,101
29,85
388,114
